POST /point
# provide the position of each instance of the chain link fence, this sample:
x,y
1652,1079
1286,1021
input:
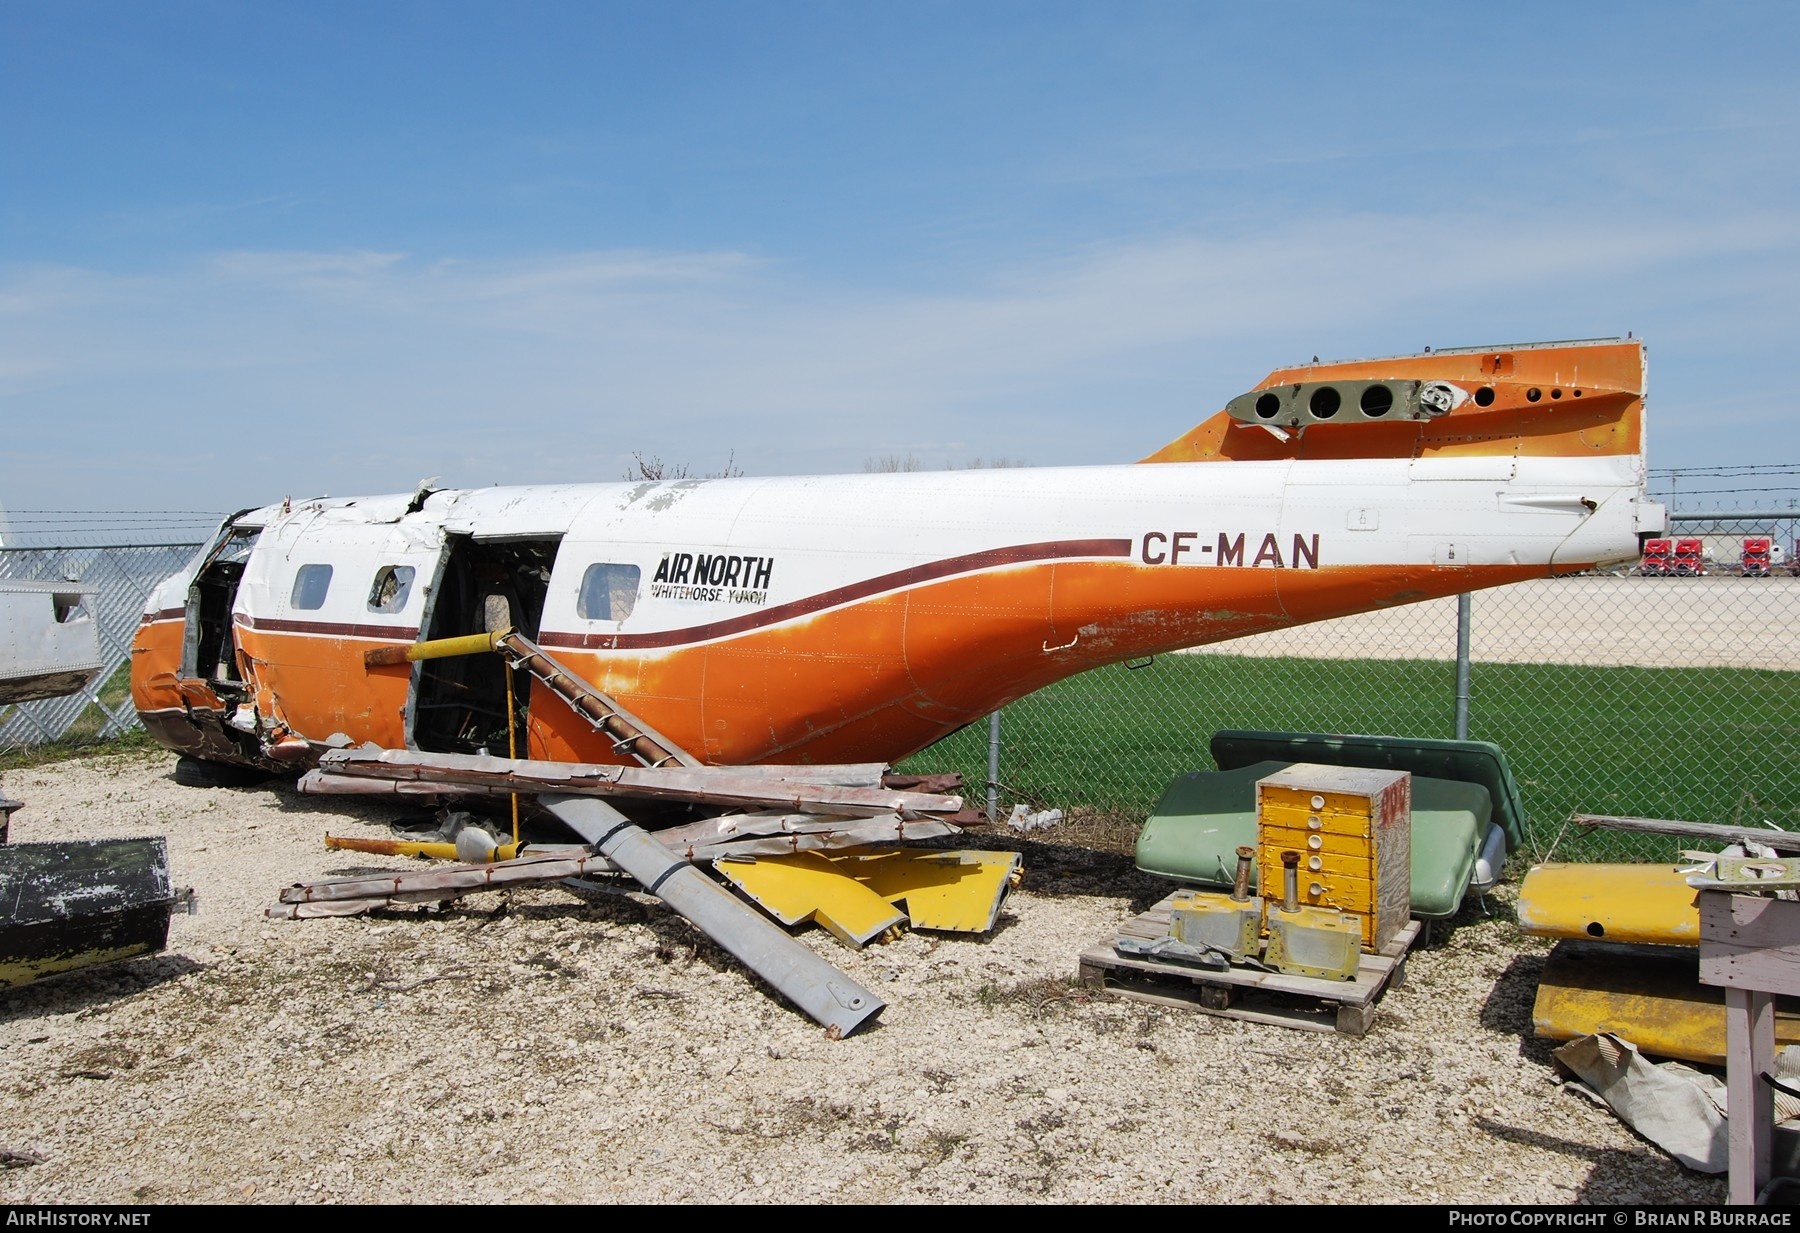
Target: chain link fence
x,y
1613,693
125,576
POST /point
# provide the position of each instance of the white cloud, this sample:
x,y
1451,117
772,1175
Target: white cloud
x,y
303,268
557,367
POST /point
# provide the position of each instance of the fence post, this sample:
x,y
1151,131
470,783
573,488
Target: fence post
x,y
993,785
1462,666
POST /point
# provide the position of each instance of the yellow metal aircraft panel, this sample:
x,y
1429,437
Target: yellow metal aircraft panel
x,y
802,886
956,891
856,893
1612,903
1650,996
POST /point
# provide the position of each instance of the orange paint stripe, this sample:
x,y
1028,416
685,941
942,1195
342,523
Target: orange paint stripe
x,y
1057,550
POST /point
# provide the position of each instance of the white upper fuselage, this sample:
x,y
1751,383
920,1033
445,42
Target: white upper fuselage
x,y
767,542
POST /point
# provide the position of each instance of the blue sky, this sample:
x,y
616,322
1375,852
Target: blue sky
x,y
256,250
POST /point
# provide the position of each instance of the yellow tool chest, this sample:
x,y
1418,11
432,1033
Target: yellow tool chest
x,y
1353,830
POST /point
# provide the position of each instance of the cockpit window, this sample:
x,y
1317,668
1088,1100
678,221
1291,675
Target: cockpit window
x,y
608,592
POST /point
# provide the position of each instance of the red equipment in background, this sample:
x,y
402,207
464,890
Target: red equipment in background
x,y
1756,556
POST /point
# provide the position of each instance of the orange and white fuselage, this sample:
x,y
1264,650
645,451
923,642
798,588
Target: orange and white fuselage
x,y
859,618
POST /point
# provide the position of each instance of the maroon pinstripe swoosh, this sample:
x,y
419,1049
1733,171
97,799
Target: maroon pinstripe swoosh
x,y
387,633
166,614
1056,550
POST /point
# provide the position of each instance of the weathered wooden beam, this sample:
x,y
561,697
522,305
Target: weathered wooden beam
x,y
1750,942
774,822
843,774
695,843
1751,946
725,786
320,783
761,834
425,884
1780,840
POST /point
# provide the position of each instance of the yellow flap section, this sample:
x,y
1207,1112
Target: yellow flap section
x,y
956,891
1611,903
804,886
856,893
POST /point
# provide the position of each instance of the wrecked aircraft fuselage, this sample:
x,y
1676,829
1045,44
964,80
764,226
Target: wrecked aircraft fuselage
x,y
837,619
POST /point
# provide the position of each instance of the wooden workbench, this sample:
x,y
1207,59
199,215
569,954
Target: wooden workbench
x,y
1750,945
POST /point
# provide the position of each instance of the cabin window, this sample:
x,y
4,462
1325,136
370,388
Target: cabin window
x,y
608,592
391,588
310,585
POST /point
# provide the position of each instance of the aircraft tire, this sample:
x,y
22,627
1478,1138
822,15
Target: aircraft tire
x,y
196,773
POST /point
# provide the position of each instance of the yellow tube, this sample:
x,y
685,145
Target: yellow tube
x,y
434,648
411,847
445,648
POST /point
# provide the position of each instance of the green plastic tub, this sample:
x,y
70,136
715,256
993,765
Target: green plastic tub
x,y
1196,828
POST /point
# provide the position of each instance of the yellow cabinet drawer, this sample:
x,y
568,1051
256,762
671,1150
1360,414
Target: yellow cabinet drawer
x,y
1312,842
1276,814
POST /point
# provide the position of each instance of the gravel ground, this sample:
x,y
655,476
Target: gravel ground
x,y
544,1047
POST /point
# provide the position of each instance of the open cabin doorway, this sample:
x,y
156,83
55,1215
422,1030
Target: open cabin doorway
x,y
459,704
209,644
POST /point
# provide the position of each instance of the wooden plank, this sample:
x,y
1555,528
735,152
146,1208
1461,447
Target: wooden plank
x,y
1751,945
1750,1049
727,786
1355,1020
1403,941
839,774
1781,841
1305,1021
1369,979
728,828
1748,942
448,882
1397,977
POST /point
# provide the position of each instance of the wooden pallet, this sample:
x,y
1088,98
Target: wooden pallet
x,y
1318,1005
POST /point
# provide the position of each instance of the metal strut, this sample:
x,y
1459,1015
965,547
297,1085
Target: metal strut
x,y
628,733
